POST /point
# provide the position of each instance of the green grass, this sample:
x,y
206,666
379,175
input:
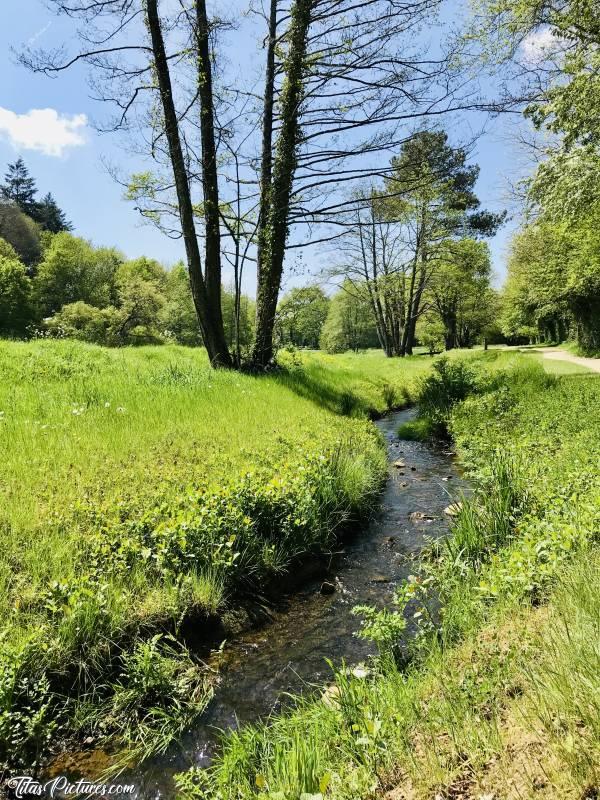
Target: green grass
x,y
500,697
415,430
354,383
139,488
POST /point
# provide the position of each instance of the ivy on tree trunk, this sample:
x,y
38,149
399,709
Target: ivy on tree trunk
x,y
275,196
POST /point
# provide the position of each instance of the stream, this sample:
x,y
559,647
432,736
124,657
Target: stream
x,y
261,667
288,654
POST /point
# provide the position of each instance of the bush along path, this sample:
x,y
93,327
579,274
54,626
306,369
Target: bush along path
x,y
499,695
144,495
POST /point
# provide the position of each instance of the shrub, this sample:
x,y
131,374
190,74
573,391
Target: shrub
x,y
15,295
448,384
82,321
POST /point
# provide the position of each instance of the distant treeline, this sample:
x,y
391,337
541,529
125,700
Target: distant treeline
x,y
55,283
553,287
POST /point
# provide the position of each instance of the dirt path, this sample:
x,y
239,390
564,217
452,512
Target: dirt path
x,y
564,355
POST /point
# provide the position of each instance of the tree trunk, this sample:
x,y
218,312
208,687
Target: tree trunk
x,y
411,324
208,311
451,331
409,310
274,226
373,289
266,167
210,181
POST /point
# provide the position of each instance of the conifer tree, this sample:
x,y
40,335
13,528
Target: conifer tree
x,y
50,216
20,187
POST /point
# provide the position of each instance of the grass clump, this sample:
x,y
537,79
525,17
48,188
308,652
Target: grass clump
x,y
158,693
140,491
416,430
499,693
454,379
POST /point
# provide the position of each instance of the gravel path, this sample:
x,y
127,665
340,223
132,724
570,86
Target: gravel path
x,y
564,355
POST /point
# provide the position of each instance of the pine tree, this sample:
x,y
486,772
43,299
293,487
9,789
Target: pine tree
x,y
21,190
20,187
50,216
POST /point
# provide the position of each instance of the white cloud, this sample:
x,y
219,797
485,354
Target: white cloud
x,y
540,45
43,129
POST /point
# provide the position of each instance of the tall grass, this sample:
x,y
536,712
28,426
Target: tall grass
x,y
484,526
563,686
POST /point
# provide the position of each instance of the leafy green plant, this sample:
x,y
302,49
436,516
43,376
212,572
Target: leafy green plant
x,y
448,384
160,691
27,716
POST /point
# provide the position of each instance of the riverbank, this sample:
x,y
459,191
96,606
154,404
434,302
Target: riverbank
x,y
500,697
260,668
144,494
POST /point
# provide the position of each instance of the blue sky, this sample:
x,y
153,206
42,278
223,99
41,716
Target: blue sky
x,y
76,177
65,154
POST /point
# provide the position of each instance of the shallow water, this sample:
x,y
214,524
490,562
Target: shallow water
x,y
288,654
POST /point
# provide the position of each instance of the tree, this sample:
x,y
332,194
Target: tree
x,y
301,315
140,304
48,214
15,296
461,293
562,85
277,177
401,231
341,79
21,232
178,316
374,258
553,284
432,188
349,324
534,296
342,97
20,188
556,288
145,269
73,270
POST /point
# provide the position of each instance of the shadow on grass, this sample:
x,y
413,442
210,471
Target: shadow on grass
x,y
340,395
321,391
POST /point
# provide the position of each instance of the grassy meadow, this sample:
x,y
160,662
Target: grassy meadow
x,y
498,697
141,490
